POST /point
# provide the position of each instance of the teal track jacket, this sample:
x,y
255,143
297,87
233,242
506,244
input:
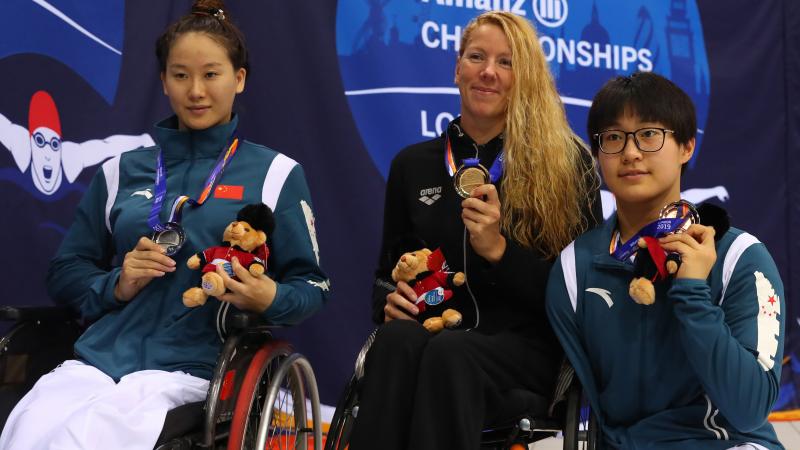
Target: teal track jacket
x,y
699,369
154,330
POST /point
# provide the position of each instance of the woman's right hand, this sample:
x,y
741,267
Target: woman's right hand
x,y
400,303
145,262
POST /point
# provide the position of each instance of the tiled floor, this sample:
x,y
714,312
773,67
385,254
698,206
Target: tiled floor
x,y
788,433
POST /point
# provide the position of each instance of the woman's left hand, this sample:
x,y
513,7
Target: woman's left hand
x,y
696,247
481,216
249,292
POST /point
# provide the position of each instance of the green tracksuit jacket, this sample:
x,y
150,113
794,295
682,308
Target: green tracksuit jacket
x,y
154,330
699,369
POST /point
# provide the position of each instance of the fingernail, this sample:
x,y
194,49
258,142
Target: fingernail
x,y
416,311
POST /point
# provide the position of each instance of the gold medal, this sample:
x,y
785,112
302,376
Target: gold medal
x,y
468,178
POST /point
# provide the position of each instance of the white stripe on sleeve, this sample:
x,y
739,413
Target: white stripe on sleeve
x,y
278,171
738,247
570,277
111,172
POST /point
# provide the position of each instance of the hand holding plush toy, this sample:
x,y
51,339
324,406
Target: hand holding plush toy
x,y
245,238
653,264
426,273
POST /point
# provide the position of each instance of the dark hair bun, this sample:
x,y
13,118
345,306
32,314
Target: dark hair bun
x,y
211,18
205,5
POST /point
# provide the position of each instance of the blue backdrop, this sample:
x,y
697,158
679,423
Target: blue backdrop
x,y
341,87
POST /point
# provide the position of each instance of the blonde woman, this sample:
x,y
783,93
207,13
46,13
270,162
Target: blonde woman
x,y
437,391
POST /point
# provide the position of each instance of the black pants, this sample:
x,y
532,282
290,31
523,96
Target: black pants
x,y
423,391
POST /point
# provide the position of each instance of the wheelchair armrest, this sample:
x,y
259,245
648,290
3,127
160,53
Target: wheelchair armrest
x,y
37,313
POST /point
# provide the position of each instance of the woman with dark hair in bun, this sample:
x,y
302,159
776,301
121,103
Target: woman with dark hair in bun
x,y
122,264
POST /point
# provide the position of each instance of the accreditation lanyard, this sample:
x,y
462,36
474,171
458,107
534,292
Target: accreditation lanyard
x,y
495,172
161,187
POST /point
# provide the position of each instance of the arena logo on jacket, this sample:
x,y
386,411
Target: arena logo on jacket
x,y
586,42
86,37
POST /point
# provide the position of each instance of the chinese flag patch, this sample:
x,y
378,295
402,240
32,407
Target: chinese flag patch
x,y
229,192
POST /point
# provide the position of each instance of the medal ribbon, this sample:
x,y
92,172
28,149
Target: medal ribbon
x,y
495,172
177,206
656,229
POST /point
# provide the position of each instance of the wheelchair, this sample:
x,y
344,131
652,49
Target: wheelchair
x,y
262,394
529,417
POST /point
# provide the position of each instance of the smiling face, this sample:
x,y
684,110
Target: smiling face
x,y
201,82
484,76
644,179
46,159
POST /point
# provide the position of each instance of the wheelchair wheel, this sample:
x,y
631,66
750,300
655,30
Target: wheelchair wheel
x,y
342,423
572,420
270,411
344,417
592,432
284,422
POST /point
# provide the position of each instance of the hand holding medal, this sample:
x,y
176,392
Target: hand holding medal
x,y
481,207
145,262
681,209
654,261
481,216
471,174
693,246
151,257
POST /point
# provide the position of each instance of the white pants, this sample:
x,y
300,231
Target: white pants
x,y
76,406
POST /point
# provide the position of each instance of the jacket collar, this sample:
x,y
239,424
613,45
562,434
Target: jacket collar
x,y
188,144
602,257
464,146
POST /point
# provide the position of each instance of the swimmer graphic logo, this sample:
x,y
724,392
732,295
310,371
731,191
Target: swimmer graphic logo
x,y
51,159
87,38
397,58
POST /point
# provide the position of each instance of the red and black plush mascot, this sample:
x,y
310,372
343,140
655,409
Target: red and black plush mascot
x,y
246,239
426,272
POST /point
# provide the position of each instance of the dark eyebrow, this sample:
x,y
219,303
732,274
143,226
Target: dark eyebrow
x,y
183,66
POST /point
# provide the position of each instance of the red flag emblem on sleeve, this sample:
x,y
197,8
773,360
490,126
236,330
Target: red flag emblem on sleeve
x,y
229,192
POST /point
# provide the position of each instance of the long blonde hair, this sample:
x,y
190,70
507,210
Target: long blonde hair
x,y
546,166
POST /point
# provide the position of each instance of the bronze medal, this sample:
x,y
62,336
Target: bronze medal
x,y
681,209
